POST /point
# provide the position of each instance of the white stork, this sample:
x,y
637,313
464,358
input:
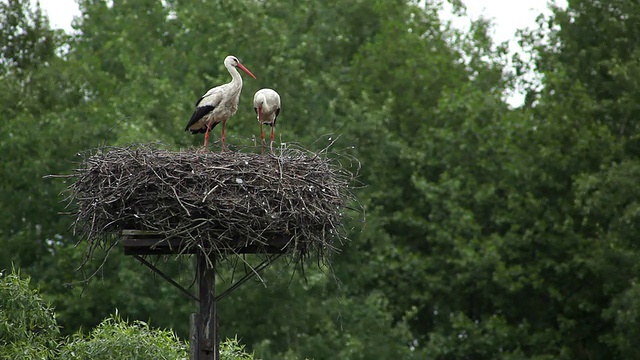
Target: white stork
x,y
219,103
266,103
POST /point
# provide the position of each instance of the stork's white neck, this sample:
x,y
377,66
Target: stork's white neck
x,y
236,79
263,100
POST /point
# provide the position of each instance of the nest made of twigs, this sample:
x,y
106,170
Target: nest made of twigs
x,y
224,200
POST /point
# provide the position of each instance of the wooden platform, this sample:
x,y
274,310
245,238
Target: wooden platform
x,y
139,242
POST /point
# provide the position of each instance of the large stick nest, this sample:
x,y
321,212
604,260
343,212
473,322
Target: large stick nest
x,y
222,200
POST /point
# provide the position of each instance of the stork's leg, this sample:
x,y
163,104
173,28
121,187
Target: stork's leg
x,y
206,135
262,136
224,130
273,130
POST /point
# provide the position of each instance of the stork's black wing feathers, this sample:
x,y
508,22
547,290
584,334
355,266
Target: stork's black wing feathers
x,y
203,130
200,112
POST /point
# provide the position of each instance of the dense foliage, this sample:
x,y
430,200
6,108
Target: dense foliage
x,y
114,338
28,326
490,232
28,330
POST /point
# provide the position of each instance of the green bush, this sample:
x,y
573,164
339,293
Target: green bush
x,y
28,328
115,338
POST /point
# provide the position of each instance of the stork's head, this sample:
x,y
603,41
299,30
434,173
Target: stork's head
x,y
233,61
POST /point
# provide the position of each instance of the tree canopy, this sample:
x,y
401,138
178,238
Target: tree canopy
x,y
488,231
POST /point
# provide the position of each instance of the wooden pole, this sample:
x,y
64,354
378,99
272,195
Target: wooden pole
x,y
208,339
195,327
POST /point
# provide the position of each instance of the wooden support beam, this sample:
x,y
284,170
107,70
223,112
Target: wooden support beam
x,y
208,342
203,326
138,242
195,327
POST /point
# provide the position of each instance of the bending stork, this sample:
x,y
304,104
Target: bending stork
x,y
266,103
219,103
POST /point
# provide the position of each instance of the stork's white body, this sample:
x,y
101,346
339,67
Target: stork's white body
x,y
219,103
223,100
266,103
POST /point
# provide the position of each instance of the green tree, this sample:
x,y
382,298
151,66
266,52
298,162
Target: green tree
x,y
27,40
588,54
480,222
490,232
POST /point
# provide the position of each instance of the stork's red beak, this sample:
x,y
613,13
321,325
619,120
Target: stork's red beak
x,y
245,70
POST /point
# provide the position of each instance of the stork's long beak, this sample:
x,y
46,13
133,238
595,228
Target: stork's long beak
x,y
245,70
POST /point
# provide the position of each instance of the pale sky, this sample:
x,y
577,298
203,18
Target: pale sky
x,y
507,17
60,12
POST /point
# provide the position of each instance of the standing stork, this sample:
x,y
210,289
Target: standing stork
x,y
219,103
266,103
